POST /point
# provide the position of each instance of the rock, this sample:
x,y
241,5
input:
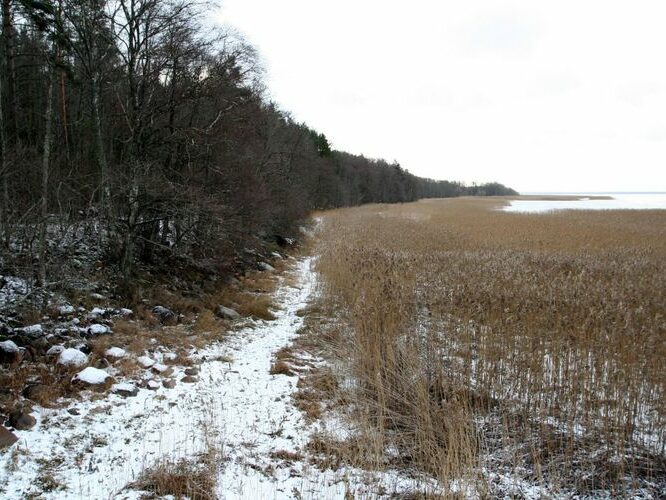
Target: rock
x,y
21,420
188,379
66,310
227,313
115,352
164,370
169,383
7,438
153,385
97,312
283,241
84,347
10,353
264,266
191,371
37,392
55,350
33,331
125,313
165,315
72,357
73,411
97,296
145,361
276,255
125,390
98,329
93,378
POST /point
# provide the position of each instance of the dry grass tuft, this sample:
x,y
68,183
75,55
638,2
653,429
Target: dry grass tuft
x,y
195,480
281,368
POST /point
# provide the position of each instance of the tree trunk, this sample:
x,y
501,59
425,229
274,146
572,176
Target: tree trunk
x,y
10,69
4,170
102,164
46,158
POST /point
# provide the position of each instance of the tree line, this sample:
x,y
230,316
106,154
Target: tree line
x,y
134,120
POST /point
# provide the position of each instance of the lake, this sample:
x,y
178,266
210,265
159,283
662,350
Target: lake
x,y
619,201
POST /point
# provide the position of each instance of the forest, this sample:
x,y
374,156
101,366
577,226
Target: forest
x,y
136,123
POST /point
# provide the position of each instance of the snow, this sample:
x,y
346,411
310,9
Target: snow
x,y
159,367
13,289
96,312
153,384
91,375
145,361
33,330
8,346
98,329
72,357
125,312
66,309
236,404
115,352
123,386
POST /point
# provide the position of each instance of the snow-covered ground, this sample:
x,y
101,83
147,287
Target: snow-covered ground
x,y
97,447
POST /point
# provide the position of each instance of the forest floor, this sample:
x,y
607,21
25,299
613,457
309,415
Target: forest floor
x,y
233,432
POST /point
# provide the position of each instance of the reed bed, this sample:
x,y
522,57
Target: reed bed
x,y
497,349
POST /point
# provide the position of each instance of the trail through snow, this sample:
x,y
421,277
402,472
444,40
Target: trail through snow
x,y
236,404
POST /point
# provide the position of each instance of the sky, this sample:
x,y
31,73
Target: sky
x,y
543,96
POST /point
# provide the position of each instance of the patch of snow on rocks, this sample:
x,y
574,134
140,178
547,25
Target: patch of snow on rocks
x,y
9,346
98,329
33,330
145,361
115,352
92,376
72,357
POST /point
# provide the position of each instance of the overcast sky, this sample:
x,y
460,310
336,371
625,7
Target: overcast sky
x,y
539,95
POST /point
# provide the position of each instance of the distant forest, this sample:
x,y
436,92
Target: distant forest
x,y
132,119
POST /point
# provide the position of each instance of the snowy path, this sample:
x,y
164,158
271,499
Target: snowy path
x,y
236,404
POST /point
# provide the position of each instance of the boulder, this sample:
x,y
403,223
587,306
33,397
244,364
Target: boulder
x,y
98,329
66,310
227,313
55,350
7,438
33,331
169,383
115,353
189,379
125,390
153,385
10,353
145,361
93,378
72,357
21,420
265,266
192,371
165,315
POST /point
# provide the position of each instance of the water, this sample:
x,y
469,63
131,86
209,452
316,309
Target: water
x,y
620,201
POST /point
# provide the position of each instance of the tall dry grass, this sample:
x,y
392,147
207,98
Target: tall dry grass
x,y
530,345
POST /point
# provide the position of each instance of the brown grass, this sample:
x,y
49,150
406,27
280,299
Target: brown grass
x,y
539,325
181,479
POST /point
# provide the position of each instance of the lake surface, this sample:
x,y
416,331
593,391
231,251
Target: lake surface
x,y
620,201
